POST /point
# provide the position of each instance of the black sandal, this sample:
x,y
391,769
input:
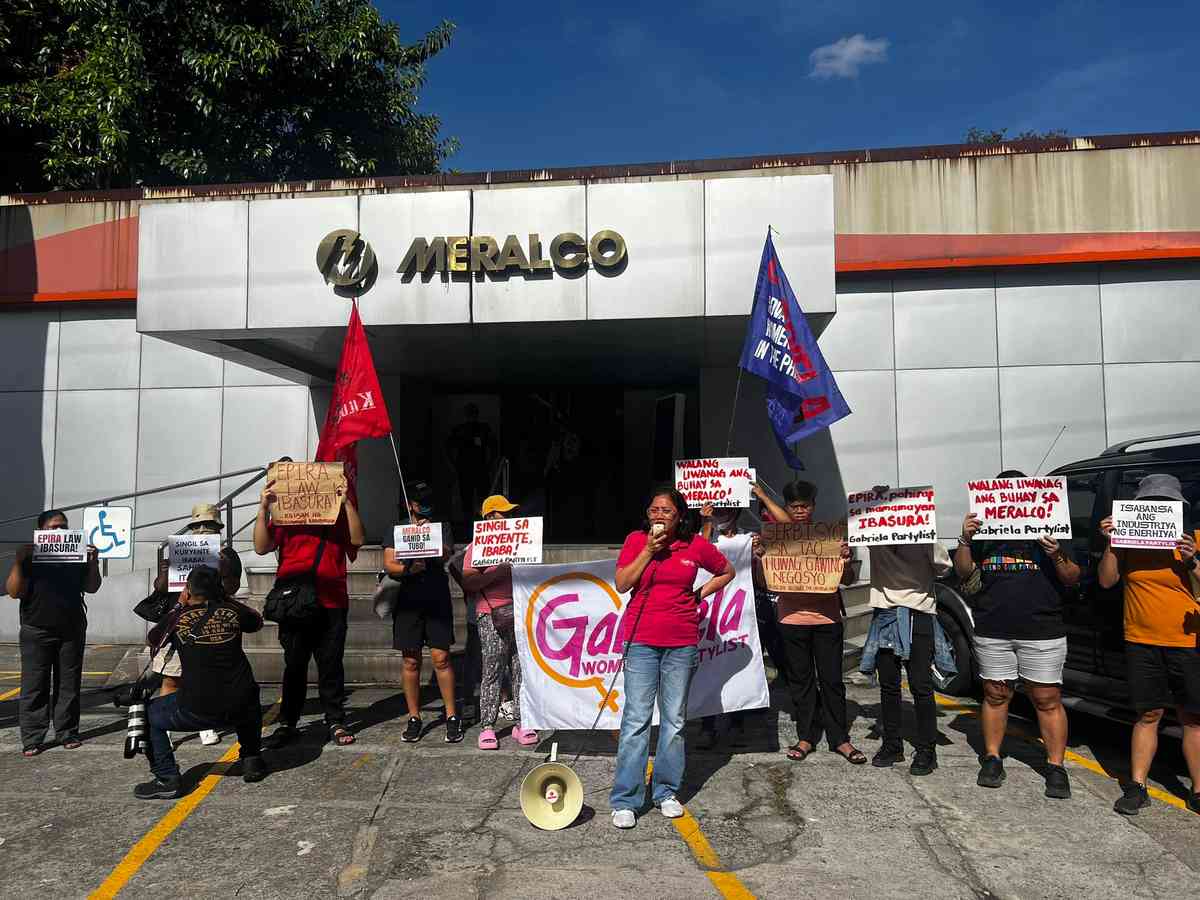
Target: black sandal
x,y
282,736
796,753
855,757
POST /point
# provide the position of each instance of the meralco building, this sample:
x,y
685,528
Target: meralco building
x,y
563,334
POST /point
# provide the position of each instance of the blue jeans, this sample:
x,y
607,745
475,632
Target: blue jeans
x,y
650,672
163,714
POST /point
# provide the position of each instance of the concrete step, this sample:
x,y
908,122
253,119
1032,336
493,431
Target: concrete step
x,y
852,653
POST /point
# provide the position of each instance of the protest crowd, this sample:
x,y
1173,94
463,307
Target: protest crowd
x,y
197,677
706,598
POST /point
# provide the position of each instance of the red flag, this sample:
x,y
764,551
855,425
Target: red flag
x,y
356,409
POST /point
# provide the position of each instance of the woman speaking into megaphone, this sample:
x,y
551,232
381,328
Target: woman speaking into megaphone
x,y
660,630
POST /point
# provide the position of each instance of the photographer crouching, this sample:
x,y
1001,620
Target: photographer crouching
x,y
218,690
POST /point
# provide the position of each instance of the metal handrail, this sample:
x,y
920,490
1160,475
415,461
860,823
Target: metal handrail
x,y
259,471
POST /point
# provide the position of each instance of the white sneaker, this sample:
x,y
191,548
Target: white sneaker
x,y
506,710
209,736
624,818
671,808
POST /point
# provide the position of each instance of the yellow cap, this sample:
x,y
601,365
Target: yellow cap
x,y
498,503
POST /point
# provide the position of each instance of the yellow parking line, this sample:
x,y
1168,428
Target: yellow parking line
x,y
8,695
727,883
153,839
1070,756
184,807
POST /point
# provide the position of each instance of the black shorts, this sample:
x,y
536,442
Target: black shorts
x,y
1163,677
423,622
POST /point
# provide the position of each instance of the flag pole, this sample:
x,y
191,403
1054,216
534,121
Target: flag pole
x,y
403,489
737,390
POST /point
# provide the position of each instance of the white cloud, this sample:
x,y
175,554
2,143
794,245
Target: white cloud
x,y
843,58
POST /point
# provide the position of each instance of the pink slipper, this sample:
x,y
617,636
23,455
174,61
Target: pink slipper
x,y
524,736
487,740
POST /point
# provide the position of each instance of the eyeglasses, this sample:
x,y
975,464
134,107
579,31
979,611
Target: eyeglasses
x,y
661,510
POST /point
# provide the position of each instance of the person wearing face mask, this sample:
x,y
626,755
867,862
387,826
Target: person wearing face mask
x,y
657,566
813,635
53,630
497,635
206,519
422,616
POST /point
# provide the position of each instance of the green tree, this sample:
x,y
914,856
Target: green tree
x,y
980,136
117,93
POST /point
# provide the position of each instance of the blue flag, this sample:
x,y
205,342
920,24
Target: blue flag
x,y
802,396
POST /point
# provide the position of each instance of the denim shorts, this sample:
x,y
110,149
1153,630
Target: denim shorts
x,y
1001,659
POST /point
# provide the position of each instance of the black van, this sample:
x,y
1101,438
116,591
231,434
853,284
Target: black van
x,y
1094,678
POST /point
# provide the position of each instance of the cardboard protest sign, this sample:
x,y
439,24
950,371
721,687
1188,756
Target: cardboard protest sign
x,y
721,482
1147,524
803,558
513,541
307,493
59,546
1021,508
417,541
189,551
892,516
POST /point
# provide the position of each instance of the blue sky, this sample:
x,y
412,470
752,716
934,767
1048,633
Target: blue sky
x,y
533,85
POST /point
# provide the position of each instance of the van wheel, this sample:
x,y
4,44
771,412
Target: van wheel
x,y
962,683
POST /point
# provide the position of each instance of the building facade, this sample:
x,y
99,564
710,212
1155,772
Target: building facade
x,y
982,309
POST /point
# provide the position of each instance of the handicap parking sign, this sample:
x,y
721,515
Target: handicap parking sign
x,y
109,530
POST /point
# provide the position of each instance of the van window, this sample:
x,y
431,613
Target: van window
x,y
1082,491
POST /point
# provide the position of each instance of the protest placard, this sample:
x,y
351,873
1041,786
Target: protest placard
x,y
513,541
307,493
721,482
1020,508
803,558
892,516
187,551
59,546
417,541
1147,524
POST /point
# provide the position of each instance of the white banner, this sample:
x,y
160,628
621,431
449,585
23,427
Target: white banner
x,y
892,516
58,545
1147,524
514,541
568,625
1021,508
417,541
189,551
721,482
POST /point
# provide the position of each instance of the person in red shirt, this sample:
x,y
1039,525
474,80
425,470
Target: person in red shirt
x,y
325,637
661,627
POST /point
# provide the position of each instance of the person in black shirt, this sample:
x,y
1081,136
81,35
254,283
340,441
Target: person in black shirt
x,y
219,689
53,629
422,616
1019,633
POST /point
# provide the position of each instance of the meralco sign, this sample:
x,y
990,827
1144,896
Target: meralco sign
x,y
483,253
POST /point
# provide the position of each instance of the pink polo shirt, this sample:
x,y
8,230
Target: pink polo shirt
x,y
672,616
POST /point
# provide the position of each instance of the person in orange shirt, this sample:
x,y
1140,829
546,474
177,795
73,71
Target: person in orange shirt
x,y
1162,621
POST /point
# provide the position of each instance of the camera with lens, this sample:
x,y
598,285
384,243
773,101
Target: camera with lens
x,y
135,696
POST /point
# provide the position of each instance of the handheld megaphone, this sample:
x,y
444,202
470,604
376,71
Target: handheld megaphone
x,y
552,794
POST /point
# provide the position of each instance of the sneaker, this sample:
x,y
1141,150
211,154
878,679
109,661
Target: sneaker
x,y
454,730
624,818
209,737
1058,784
1134,799
507,710
412,731
888,756
253,769
991,772
924,762
158,789
671,808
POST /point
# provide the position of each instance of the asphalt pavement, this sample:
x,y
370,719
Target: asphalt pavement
x,y
387,819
